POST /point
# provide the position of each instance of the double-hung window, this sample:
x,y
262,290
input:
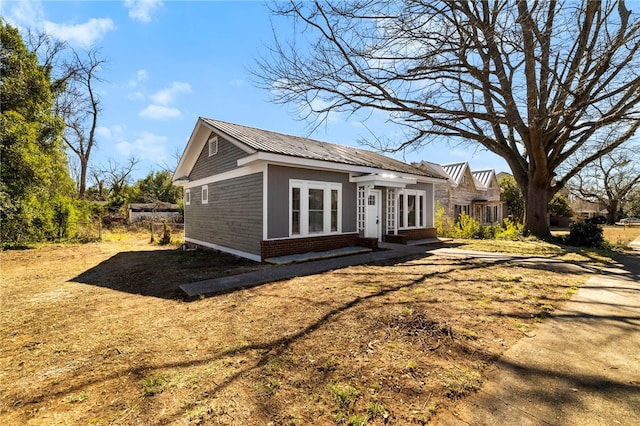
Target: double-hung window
x,y
315,208
411,208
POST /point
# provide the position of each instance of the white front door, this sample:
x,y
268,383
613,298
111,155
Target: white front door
x,y
373,225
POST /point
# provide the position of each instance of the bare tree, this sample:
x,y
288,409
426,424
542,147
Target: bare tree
x,y
74,75
79,106
533,82
115,176
609,181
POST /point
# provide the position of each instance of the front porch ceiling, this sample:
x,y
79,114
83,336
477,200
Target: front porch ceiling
x,y
386,180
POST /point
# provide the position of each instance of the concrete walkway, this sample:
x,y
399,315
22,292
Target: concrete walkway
x,y
285,272
582,367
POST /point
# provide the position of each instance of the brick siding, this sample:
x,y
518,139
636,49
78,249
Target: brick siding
x,y
285,247
410,235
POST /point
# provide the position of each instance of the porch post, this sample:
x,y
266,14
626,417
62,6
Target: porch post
x,y
392,211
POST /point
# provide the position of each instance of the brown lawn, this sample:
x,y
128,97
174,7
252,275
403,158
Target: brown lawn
x,y
98,334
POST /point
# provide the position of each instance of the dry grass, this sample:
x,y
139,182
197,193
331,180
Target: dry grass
x,y
621,235
96,334
618,236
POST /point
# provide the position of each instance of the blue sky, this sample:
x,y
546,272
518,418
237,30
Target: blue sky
x,y
170,62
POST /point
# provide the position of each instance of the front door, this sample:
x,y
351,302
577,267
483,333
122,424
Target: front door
x,y
373,227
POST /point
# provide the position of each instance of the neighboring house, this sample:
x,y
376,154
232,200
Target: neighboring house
x,y
260,194
474,192
152,211
586,209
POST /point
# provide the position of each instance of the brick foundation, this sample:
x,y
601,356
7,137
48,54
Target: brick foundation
x,y
276,248
410,235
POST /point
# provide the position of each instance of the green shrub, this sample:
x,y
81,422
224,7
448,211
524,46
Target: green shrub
x,y
443,224
466,226
583,234
485,232
511,230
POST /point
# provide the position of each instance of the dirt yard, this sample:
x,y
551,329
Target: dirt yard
x,y
98,334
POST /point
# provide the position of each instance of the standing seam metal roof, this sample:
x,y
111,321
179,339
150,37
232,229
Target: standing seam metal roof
x,y
455,170
295,146
483,176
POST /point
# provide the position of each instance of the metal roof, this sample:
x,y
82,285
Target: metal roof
x,y
483,176
456,170
295,146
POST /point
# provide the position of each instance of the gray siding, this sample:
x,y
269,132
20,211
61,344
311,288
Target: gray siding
x,y
278,197
224,161
233,216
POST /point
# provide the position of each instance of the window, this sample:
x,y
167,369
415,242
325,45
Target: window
x,y
213,145
459,209
295,211
491,214
316,210
187,196
334,210
411,208
314,207
411,211
205,194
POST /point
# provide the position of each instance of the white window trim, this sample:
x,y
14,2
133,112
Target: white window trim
x,y
205,194
213,145
187,197
421,209
304,186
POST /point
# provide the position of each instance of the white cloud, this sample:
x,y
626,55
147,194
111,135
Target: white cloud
x,y
237,82
318,105
146,147
30,15
104,132
141,10
136,96
22,14
84,34
141,77
168,94
114,132
458,153
160,112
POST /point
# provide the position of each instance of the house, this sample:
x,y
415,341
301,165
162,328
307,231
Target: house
x,y
474,192
152,211
260,194
585,209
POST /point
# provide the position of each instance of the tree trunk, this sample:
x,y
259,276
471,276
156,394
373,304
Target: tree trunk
x,y
612,212
536,218
83,179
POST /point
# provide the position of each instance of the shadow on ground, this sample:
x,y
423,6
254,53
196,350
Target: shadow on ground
x,y
159,273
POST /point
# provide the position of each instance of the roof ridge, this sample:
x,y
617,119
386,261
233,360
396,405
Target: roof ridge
x,y
288,135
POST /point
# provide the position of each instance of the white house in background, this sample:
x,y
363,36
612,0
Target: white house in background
x,y
152,211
